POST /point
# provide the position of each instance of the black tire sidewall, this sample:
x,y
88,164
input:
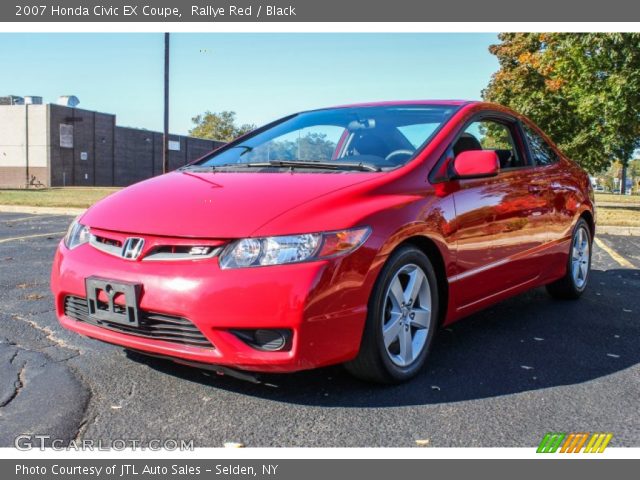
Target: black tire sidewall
x,y
400,258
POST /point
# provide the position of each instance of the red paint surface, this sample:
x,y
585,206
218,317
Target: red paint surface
x,y
496,237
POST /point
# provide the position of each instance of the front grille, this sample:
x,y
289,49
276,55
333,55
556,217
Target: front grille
x,y
181,252
198,250
152,325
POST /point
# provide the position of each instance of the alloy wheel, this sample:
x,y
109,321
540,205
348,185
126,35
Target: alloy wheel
x,y
580,256
407,315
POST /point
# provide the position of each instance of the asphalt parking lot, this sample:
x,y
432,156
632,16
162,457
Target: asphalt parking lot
x,y
501,378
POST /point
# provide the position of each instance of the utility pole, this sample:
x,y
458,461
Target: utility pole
x,y
165,134
26,145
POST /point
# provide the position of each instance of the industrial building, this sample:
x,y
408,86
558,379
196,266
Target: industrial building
x,y
56,145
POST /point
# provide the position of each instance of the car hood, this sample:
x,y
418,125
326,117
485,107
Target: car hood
x,y
212,205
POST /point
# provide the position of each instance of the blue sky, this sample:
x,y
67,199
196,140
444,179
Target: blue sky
x,y
259,76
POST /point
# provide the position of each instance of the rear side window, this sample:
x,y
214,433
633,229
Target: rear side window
x,y
541,151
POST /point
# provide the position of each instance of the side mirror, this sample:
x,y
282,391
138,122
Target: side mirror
x,y
476,164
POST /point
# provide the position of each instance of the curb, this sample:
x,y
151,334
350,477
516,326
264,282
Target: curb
x,y
616,230
41,210
630,205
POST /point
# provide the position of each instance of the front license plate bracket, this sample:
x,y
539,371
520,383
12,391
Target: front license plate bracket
x,y
112,311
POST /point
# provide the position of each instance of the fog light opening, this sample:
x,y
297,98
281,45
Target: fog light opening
x,y
268,340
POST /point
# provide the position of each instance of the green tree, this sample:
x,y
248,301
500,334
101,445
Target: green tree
x,y
581,89
311,146
315,146
634,174
218,126
634,168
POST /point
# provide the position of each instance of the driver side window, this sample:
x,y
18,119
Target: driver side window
x,y
491,135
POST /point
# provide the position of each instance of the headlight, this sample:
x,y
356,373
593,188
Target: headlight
x,y
256,252
77,235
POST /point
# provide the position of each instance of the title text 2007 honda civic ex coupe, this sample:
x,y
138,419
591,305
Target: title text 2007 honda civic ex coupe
x,y
342,235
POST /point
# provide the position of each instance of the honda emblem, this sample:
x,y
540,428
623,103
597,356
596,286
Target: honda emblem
x,y
132,248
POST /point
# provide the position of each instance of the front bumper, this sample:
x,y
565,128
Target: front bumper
x,y
322,303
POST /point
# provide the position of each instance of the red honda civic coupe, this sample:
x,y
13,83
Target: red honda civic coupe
x,y
342,235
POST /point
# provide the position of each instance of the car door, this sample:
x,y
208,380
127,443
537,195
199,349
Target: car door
x,y
558,186
556,182
500,221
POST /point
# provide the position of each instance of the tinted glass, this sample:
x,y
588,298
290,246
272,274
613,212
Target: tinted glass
x,y
541,151
385,137
417,133
491,135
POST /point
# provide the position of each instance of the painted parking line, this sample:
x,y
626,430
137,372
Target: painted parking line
x,y
22,219
27,237
623,262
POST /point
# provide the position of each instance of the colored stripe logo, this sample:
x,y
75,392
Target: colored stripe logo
x,y
574,442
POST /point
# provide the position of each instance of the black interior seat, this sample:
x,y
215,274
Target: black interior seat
x,y
507,158
369,144
465,143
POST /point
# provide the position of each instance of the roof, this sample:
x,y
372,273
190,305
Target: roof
x,y
392,103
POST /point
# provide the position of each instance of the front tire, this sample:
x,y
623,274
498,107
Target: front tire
x,y
401,321
575,281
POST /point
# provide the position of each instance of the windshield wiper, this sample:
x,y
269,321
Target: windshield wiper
x,y
196,168
361,166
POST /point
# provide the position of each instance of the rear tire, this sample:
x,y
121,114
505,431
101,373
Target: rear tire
x,y
575,281
401,321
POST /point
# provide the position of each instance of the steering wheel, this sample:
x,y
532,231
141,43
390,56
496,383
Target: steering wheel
x,y
398,152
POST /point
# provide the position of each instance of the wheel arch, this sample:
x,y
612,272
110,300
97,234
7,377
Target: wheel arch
x,y
429,247
588,217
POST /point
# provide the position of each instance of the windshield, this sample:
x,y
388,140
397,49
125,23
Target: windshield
x,y
371,138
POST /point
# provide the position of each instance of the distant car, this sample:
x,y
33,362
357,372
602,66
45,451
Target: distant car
x,y
343,235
